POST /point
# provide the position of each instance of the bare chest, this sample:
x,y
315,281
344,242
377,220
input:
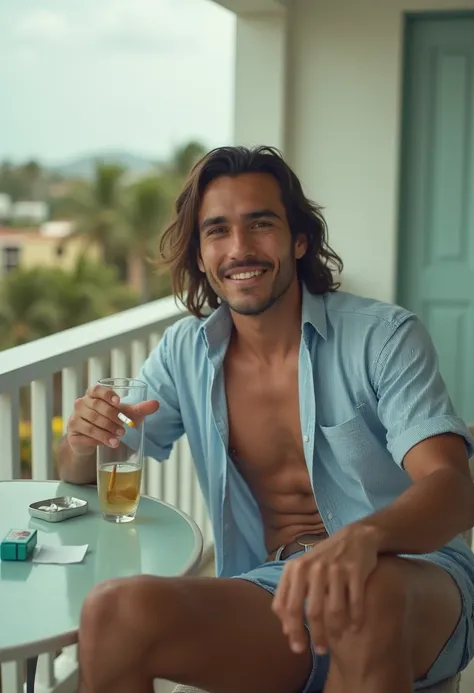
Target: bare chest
x,y
265,438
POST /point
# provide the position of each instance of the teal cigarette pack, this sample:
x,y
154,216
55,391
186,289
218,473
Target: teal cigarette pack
x,y
18,545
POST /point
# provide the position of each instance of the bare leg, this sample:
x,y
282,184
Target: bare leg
x,y
411,610
218,634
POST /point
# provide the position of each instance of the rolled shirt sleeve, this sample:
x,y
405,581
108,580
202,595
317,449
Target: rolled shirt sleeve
x,y
413,402
163,428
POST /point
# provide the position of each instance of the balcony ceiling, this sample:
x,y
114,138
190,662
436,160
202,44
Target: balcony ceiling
x,y
251,6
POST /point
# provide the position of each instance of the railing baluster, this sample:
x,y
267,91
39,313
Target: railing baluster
x,y
153,477
41,434
153,341
199,515
119,361
156,479
13,677
139,354
186,477
70,652
45,675
71,389
96,369
10,467
208,533
171,489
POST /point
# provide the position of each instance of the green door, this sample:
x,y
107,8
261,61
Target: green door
x,y
436,246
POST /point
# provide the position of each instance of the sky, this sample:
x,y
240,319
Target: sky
x,y
86,76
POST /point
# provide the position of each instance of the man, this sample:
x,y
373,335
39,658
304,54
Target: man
x,y
333,464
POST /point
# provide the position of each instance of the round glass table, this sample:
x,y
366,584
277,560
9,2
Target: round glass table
x,y
40,604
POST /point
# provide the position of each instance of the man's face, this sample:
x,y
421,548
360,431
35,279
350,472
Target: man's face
x,y
246,248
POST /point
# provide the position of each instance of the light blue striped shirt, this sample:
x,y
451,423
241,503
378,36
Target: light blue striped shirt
x,y
369,389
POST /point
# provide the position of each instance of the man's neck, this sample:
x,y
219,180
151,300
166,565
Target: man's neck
x,y
273,334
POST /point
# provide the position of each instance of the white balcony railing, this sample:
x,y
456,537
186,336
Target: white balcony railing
x,y
61,367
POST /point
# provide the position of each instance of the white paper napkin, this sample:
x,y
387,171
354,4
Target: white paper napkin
x,y
60,554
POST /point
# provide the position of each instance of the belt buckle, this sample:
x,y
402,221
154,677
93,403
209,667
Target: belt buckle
x,y
307,545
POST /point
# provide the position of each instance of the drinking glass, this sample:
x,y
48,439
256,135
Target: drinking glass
x,y
119,470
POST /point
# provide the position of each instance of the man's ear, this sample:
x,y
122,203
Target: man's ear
x,y
200,262
301,246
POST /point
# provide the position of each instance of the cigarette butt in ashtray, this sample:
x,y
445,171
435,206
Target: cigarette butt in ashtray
x,y
124,419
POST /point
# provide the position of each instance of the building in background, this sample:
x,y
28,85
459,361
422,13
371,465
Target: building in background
x,y
29,212
41,247
5,207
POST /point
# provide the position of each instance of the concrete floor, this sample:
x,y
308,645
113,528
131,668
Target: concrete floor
x,y
467,681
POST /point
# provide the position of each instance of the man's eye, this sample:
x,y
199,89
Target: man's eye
x,y
216,231
262,224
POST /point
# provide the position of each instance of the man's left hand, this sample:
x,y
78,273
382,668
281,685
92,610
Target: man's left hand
x,y
328,583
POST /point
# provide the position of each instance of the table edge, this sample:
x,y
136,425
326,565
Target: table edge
x,y
34,648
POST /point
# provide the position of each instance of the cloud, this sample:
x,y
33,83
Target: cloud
x,y
150,25
43,26
140,75
181,27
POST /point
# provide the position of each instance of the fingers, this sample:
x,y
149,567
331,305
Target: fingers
x,y
289,604
137,412
82,445
100,392
95,420
327,594
356,599
317,589
147,408
102,428
337,615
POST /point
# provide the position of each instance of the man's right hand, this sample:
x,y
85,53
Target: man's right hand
x,y
95,420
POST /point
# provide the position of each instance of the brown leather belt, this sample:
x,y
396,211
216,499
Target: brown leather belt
x,y
303,542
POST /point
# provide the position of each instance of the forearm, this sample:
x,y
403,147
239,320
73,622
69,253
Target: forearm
x,y
76,469
426,516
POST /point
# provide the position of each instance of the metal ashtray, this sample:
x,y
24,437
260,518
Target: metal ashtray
x,y
58,509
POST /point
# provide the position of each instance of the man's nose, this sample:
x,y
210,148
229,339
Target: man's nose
x,y
241,243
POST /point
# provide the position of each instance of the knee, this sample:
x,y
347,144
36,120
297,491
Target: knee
x,y
126,605
385,615
386,599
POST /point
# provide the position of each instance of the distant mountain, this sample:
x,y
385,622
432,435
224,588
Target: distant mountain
x,y
83,167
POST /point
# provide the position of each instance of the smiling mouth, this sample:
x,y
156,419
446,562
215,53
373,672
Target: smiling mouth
x,y
241,276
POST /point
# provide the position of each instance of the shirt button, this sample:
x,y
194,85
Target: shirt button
x,y
305,438
330,516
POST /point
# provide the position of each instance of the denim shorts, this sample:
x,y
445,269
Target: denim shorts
x,y
455,655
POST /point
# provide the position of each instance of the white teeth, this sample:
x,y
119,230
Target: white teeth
x,y
246,275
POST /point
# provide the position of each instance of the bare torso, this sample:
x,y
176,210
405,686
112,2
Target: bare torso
x,y
265,443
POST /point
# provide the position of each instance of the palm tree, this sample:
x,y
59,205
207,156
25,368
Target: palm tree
x,y
186,156
97,210
149,204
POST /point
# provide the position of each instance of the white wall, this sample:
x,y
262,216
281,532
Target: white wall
x,y
260,79
343,123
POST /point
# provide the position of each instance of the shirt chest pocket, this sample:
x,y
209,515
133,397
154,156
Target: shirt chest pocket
x,y
354,447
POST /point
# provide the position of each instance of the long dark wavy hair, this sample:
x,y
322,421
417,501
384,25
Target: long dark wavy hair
x,y
179,243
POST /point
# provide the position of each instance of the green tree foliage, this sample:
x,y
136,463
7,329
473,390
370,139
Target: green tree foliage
x,y
149,206
122,215
185,157
37,302
98,210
